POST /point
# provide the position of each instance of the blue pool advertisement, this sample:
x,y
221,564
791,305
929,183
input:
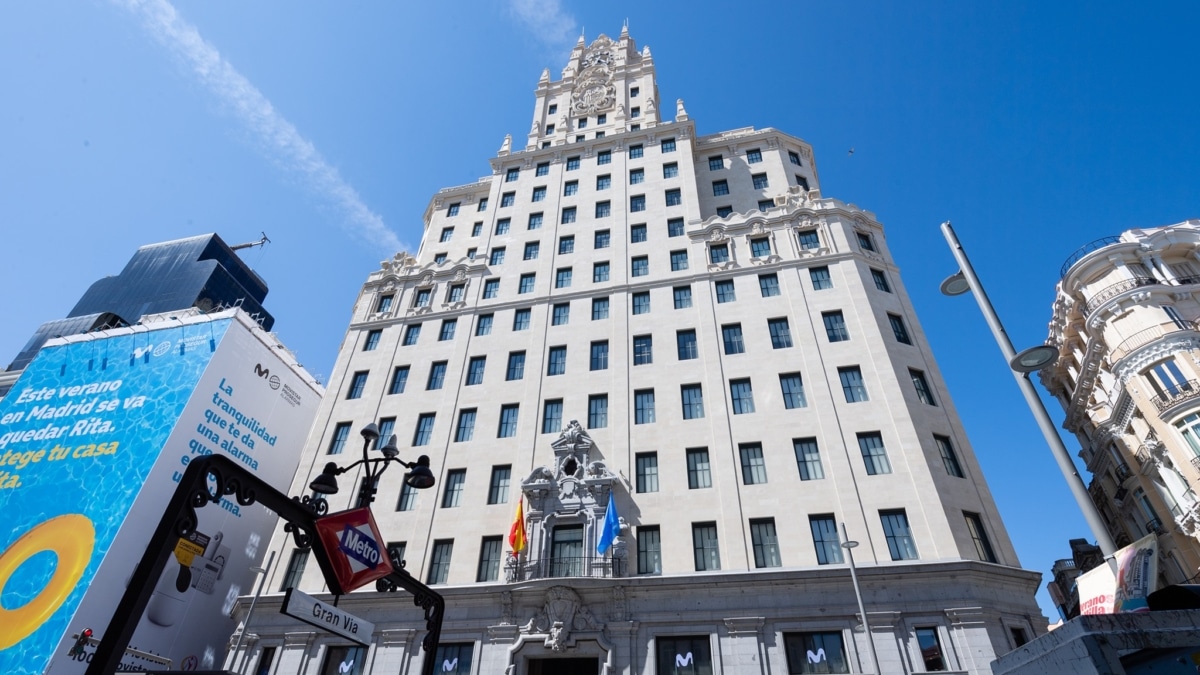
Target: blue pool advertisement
x,y
93,438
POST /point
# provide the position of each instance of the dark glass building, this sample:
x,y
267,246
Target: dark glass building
x,y
201,272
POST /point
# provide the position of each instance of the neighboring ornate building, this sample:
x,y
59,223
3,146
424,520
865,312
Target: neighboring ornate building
x,y
747,373
1128,377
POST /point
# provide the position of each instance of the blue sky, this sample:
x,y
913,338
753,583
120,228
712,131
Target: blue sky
x,y
1034,127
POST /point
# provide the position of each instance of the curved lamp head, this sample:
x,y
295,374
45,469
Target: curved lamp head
x,y
955,284
419,475
326,483
370,432
1034,359
849,544
389,449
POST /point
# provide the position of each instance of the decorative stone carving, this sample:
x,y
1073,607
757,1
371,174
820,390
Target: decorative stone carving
x,y
680,113
460,274
506,605
717,236
506,146
619,608
427,279
594,92
562,613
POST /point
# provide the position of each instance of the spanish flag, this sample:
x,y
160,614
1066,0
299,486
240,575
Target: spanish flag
x,y
516,533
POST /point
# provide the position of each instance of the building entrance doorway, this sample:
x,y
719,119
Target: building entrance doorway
x,y
588,666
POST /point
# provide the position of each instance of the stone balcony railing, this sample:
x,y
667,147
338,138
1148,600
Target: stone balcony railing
x,y
1113,290
595,567
1145,337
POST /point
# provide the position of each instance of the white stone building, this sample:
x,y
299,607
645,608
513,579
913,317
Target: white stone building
x,y
747,374
1128,377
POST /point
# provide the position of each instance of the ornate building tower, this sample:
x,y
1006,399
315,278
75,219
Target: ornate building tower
x,y
626,308
1128,377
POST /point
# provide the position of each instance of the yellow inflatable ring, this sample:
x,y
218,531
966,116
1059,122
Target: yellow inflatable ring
x,y
71,537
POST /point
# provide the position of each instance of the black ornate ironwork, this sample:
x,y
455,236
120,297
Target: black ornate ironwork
x,y
1113,290
1178,394
1084,250
206,481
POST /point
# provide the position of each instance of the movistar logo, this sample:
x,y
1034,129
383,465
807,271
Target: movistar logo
x,y
681,660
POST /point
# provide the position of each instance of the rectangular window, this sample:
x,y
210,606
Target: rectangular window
x,y
766,544
562,277
808,240
386,426
603,209
931,648
571,187
568,215
699,473
437,376
635,151
566,244
491,288
456,293
881,281
685,343
412,333
874,454
532,248
566,551
295,569
599,355
675,227
337,443
899,330
603,239
465,430
802,182
521,318
599,308
526,283
560,314
794,158
483,204
983,547
539,193
693,401
456,656
731,335
720,187
543,169
679,261
447,232
408,498
535,221
641,302
716,163
760,182
643,406
477,229
637,233
475,369
424,429
768,285
754,467
760,247
498,486
597,411
552,416
742,396
489,562
637,203
603,157
924,393
572,163
649,551
508,199
812,652
600,272
949,458
694,653
399,380
497,256
682,296
808,458
899,536
781,333
724,211
385,303
670,170
753,156
508,420
820,278
603,182
793,390
705,547
674,197
516,366
357,384
556,362
502,226
825,539
471,253
864,241
452,210
668,145
643,349
439,258
718,253
637,176
835,326
512,175
725,291
452,495
449,327
439,566
852,384
647,471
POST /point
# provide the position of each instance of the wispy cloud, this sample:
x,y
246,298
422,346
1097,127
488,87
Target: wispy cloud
x,y
278,139
546,20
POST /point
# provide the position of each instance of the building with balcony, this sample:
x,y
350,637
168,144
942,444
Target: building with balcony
x,y
684,322
1128,377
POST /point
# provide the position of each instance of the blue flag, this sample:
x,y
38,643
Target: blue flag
x,y
611,527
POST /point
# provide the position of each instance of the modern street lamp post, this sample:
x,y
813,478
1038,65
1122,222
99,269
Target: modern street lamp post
x,y
1028,361
849,545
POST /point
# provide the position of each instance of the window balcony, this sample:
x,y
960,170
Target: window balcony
x,y
1085,250
1113,290
1180,393
1123,472
595,567
1142,338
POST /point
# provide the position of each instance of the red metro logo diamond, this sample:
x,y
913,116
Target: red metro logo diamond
x,y
355,548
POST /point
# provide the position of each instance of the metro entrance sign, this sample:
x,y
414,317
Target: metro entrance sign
x,y
355,547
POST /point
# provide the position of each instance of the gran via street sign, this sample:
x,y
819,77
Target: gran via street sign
x,y
300,605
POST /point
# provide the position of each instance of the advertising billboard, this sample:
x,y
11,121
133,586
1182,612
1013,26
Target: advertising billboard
x,y
93,438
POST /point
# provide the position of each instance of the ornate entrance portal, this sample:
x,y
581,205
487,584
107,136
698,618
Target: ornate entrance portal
x,y
575,666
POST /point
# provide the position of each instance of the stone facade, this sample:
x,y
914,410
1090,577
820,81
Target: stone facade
x,y
685,323
1128,377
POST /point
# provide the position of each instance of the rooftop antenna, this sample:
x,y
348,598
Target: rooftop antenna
x,y
252,244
